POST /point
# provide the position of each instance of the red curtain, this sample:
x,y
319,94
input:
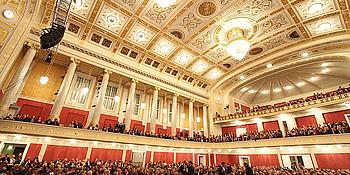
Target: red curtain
x,y
271,125
306,121
229,130
148,157
148,127
227,158
107,120
106,154
34,108
333,161
159,129
168,157
128,156
54,152
184,157
33,151
69,114
250,127
337,116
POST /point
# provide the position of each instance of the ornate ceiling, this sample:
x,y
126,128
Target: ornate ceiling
x,y
182,40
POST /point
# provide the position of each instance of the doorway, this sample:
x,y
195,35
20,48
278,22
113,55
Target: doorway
x,y
137,158
202,160
244,159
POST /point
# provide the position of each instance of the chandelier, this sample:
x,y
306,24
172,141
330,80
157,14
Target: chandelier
x,y
165,3
238,46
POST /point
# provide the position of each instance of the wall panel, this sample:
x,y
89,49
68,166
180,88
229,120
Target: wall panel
x,y
108,120
54,152
70,114
33,151
184,157
167,157
305,121
335,116
271,125
34,108
106,154
333,161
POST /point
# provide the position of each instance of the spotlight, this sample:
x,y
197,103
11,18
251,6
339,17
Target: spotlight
x,y
48,58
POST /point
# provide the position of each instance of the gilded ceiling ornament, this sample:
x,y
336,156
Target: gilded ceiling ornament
x,y
257,7
203,41
190,22
274,23
206,8
129,2
218,53
159,14
274,42
224,2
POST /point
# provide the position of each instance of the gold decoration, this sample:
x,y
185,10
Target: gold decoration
x,y
206,8
159,14
190,22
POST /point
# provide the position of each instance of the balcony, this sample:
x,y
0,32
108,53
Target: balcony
x,y
327,101
62,133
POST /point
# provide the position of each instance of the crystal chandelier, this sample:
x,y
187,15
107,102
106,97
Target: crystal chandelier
x,y
238,46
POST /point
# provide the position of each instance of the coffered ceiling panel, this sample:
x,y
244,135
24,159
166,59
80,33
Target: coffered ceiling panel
x,y
325,25
129,4
140,34
312,8
163,47
111,19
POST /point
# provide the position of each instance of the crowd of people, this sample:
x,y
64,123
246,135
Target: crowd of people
x,y
11,165
315,96
326,128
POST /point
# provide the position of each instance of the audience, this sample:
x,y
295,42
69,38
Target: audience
x,y
326,128
98,167
315,96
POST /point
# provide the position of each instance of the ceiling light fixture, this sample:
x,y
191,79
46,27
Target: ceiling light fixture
x,y
314,78
325,26
184,59
8,14
141,35
264,91
300,83
288,87
251,91
78,3
242,77
244,89
164,48
325,70
277,90
112,19
324,64
269,66
315,7
165,3
239,46
44,79
305,54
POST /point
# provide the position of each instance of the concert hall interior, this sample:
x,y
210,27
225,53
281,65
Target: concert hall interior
x,y
175,87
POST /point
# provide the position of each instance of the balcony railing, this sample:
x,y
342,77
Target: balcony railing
x,y
337,99
43,131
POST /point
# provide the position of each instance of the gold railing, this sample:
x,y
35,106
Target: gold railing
x,y
43,131
286,109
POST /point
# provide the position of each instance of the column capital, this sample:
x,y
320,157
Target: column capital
x,y
32,45
134,80
106,71
157,88
74,60
192,100
175,95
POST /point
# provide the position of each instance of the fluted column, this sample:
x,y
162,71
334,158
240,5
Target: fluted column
x,y
154,109
100,98
63,91
165,112
175,116
130,104
17,80
190,117
205,120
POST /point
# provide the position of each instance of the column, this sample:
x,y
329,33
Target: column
x,y
190,117
318,116
182,115
165,112
154,110
145,112
196,127
63,91
17,80
174,115
281,126
119,94
101,96
130,104
205,121
259,124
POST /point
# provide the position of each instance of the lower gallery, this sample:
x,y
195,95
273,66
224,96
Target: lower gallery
x,y
174,87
